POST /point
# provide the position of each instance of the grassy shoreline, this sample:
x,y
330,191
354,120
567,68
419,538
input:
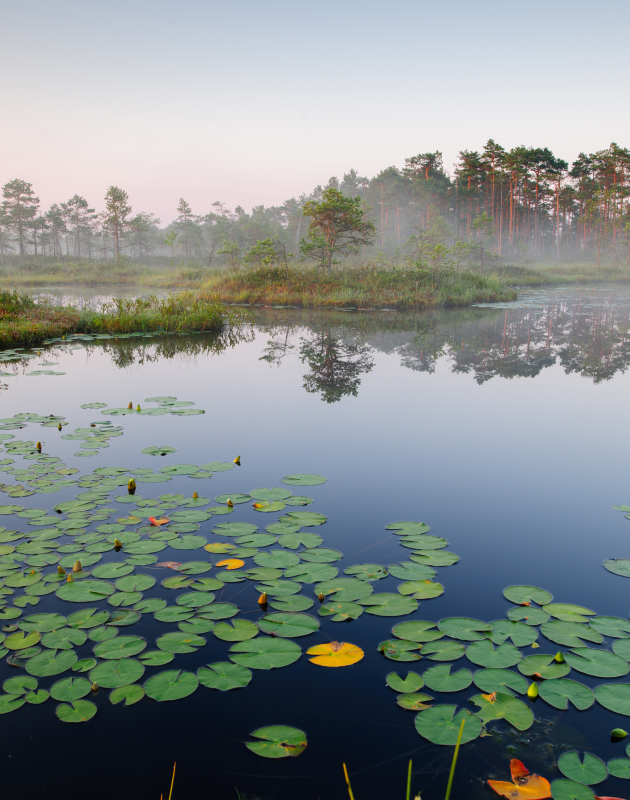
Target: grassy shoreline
x,y
24,322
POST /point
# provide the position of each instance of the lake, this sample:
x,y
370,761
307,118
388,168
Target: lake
x,y
504,429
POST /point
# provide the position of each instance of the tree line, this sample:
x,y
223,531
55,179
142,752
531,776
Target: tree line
x,y
517,206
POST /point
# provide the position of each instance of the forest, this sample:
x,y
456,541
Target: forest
x,y
521,206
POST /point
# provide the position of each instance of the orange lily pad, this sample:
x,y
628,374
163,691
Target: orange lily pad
x,y
158,522
231,563
335,654
525,786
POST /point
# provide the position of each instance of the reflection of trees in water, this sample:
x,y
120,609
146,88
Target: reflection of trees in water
x,y
336,365
583,337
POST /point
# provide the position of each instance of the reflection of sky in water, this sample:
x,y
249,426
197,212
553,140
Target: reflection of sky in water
x,y
519,475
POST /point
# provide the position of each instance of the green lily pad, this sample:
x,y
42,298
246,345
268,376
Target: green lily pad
x,y
195,599
417,631
112,674
270,494
129,694
293,540
414,701
600,663
291,603
151,605
124,617
224,676
440,679
64,638
434,558
234,529
560,691
78,711
441,725
423,542
269,507
84,665
277,559
171,685
86,618
219,611
21,639
503,706
306,519
464,628
622,648
367,572
568,612
50,662
278,741
303,480
239,630
135,583
421,590
69,689
120,647
400,650
187,542
615,697
173,614
484,654
103,633
384,604
569,634
543,665
144,547
180,642
443,651
570,790
406,528
194,567
255,540
407,685
158,451
312,573
615,627
10,702
340,611
265,653
20,684
500,680
530,616
37,698
237,498
195,625
85,591
527,594
520,633
156,658
618,566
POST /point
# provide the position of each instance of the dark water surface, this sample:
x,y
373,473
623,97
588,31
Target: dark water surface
x,y
506,430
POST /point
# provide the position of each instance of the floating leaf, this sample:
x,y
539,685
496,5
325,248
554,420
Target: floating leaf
x,y
340,612
524,786
124,617
155,658
335,654
268,507
171,685
173,614
120,647
589,771
500,680
406,528
469,630
408,571
414,701
421,590
306,519
443,651
527,594
278,741
569,634
615,627
240,630
64,639
265,653
313,572
231,563
288,625
503,706
615,697
70,689
294,540
21,640
79,711
219,611
435,558
544,666
21,684
85,591
236,498
520,633
194,599
408,685
622,648
224,676
252,540
571,790
158,451
400,650
441,725
417,631
560,691
86,618
234,529
440,679
303,480
568,612
278,559
37,698
180,642
384,604
84,665
50,663
600,663
528,615
10,702
619,768
135,583
367,572
484,654
128,694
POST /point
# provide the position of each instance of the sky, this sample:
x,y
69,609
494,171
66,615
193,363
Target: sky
x,y
254,101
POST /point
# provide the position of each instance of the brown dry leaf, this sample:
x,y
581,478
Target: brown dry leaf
x,y
169,564
231,563
524,787
335,654
157,522
491,698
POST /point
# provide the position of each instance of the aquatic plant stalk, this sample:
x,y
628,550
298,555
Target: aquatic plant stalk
x,y
455,754
409,781
170,794
345,772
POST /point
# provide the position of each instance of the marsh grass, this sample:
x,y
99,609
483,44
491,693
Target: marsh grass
x,y
365,287
24,322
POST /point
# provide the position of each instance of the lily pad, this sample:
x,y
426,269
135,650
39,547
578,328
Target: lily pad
x,y
503,706
78,711
528,615
600,663
568,612
50,662
277,559
384,604
306,519
127,695
615,627
485,655
288,625
21,640
265,653
520,633
21,684
464,628
441,725
417,630
239,630
443,651
171,685
120,647
421,590
10,702
340,611
237,498
84,665
544,666
434,558
570,790
302,479
570,634
439,679
400,650
112,674
527,594
367,572
156,658
64,638
85,591
219,611
295,539
560,691
180,642
234,529
500,680
407,685
224,676
619,768
618,566
312,573
86,618
615,697
70,689
278,741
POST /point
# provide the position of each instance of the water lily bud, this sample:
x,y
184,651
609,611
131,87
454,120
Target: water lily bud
x,y
117,543
59,426
69,579
77,566
95,687
262,600
92,424
138,407
61,570
321,597
39,446
237,461
230,504
195,495
559,658
130,405
618,733
532,692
